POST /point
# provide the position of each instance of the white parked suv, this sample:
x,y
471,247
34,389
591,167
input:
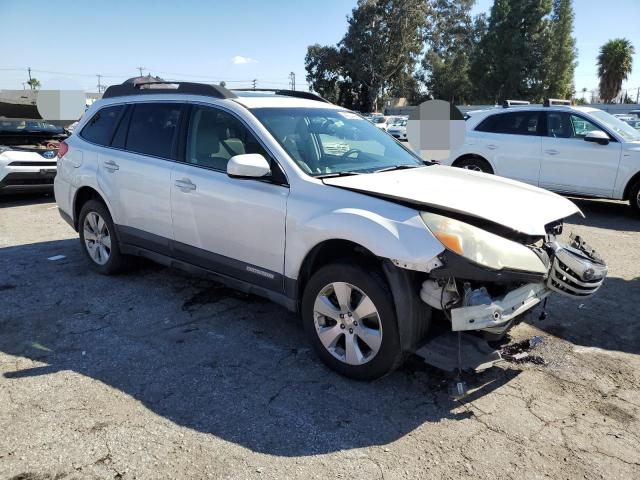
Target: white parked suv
x,y
567,149
28,151
286,196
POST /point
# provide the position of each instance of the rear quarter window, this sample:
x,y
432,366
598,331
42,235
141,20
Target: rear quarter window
x,y
514,123
101,126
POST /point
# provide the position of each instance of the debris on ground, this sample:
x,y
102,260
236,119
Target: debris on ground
x,y
520,352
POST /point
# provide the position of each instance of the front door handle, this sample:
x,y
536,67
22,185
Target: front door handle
x,y
551,152
185,185
111,165
492,147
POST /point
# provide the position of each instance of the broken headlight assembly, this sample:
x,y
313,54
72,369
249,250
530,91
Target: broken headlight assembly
x,y
482,247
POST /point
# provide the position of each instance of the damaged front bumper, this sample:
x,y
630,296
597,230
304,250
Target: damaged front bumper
x,y
500,312
574,270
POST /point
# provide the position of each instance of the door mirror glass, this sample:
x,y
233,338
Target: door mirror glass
x,y
248,165
597,136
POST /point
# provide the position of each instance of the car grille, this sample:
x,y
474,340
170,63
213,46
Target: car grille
x,y
574,275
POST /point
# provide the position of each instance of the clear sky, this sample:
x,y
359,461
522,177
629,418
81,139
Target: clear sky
x,y
223,40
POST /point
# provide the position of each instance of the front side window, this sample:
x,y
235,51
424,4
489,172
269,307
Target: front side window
x,y
581,126
566,125
328,141
514,123
215,136
152,129
100,128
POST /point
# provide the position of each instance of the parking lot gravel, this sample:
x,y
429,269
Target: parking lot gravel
x,y
156,374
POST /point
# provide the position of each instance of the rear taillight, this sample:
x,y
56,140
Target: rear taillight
x,y
62,149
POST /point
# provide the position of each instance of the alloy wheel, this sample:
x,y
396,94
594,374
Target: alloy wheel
x,y
347,323
475,168
97,238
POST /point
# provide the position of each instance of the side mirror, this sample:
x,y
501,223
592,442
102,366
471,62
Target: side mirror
x,y
248,165
597,136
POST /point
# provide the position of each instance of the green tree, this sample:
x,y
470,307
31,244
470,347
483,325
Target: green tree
x,y
324,71
382,43
512,58
34,83
451,37
563,51
376,56
614,66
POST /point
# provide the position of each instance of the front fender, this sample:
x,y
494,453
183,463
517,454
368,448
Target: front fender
x,y
400,235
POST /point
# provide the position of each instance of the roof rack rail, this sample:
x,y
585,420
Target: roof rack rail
x,y
186,88
550,102
514,103
285,93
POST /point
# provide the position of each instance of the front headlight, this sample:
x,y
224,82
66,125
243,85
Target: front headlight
x,y
481,246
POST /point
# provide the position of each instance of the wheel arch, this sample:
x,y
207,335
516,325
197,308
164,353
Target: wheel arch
x,y
632,181
329,251
82,196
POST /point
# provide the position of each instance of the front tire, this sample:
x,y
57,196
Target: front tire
x,y
476,164
634,198
98,239
349,316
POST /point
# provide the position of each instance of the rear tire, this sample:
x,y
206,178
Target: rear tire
x,y
98,239
476,164
634,198
349,316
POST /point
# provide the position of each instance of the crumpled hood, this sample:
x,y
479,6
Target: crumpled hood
x,y
516,205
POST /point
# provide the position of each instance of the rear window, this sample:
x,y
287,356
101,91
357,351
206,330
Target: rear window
x,y
514,123
100,128
152,129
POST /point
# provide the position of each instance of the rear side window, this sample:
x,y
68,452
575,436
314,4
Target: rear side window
x,y
152,129
514,123
100,128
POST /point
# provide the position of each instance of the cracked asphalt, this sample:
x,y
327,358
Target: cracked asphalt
x,y
155,374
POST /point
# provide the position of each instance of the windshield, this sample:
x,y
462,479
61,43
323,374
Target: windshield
x,y
378,119
328,141
626,131
28,126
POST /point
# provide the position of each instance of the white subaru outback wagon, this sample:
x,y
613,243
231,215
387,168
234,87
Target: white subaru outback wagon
x,y
284,195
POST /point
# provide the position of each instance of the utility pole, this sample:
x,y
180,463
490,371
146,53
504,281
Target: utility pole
x,y
29,70
99,84
638,95
254,82
292,80
140,68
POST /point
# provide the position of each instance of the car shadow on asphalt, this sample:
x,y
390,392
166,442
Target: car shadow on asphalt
x,y
607,320
606,214
205,357
21,199
236,366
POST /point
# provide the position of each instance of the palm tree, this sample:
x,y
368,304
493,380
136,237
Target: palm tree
x,y
34,83
614,66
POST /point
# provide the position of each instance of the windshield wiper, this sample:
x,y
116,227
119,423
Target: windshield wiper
x,y
338,174
396,167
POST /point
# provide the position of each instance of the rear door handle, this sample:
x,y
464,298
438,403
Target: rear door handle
x,y
551,152
492,147
185,185
111,165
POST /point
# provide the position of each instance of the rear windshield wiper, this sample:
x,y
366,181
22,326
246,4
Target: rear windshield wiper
x,y
396,167
338,174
